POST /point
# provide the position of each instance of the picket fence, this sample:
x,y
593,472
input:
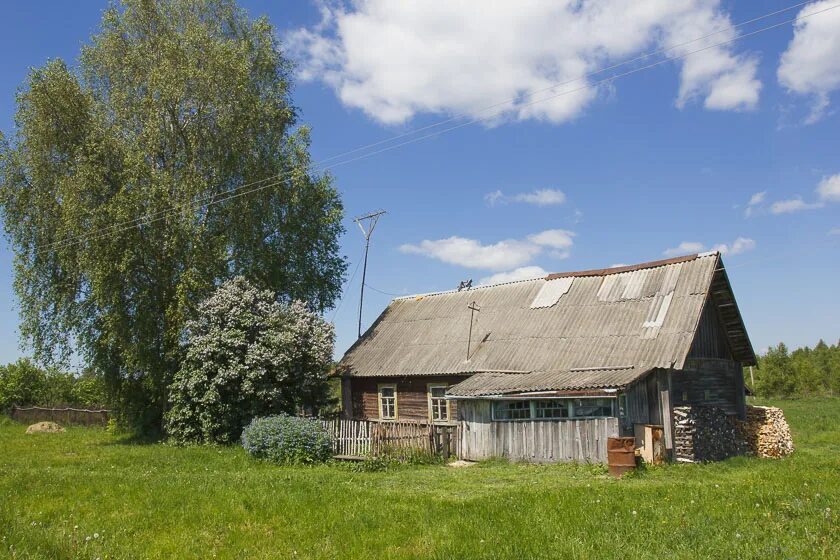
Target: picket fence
x,y
365,438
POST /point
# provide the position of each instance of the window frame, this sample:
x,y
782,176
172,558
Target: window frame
x,y
571,407
429,398
379,398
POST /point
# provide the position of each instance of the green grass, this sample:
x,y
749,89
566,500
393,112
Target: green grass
x,y
155,501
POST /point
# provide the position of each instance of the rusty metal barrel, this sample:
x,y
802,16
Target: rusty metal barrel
x,y
621,455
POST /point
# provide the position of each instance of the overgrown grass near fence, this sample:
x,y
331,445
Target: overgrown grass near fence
x,y
87,494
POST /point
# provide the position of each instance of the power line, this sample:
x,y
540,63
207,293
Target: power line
x,y
232,193
382,291
573,80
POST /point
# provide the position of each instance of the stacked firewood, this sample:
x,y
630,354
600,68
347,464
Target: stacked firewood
x,y
704,433
766,432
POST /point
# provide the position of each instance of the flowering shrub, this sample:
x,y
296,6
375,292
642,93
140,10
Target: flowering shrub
x,y
247,355
287,440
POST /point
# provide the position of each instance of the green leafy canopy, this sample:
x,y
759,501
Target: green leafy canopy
x,y
173,103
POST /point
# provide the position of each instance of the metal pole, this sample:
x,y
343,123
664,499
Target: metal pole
x,y
362,296
373,217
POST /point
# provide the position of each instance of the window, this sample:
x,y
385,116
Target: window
x,y
387,402
558,409
438,405
593,408
512,410
552,409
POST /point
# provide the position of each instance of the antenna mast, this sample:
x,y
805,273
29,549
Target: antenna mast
x,y
370,219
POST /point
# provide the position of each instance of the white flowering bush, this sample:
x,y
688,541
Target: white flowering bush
x,y
247,355
287,440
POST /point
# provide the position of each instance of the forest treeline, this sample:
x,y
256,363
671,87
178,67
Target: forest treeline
x,y
803,372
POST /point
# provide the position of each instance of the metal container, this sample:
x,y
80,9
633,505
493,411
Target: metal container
x,y
621,455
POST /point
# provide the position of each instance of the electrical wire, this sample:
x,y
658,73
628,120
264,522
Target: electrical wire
x,y
232,193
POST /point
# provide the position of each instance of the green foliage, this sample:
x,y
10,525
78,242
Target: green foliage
x,y
287,440
246,356
159,501
23,383
174,103
803,372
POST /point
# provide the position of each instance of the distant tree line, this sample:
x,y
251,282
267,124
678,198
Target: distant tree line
x,y
801,373
22,383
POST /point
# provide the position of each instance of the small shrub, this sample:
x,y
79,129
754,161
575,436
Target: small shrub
x,y
287,440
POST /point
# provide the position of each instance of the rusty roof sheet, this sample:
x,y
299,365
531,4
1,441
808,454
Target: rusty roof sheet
x,y
607,318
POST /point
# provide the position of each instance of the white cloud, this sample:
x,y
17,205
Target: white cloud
x,y
740,245
829,188
834,231
501,256
757,198
617,265
522,273
811,63
755,202
393,59
539,197
793,205
684,248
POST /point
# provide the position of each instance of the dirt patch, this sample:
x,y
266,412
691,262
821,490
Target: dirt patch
x,y
461,464
44,428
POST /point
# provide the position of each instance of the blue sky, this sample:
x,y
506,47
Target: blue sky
x,y
664,159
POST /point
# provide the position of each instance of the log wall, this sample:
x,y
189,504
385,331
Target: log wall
x,y
412,396
535,441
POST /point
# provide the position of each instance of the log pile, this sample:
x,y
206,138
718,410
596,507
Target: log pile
x,y
766,432
705,433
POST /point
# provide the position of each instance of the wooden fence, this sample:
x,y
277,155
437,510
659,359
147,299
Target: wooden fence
x,y
363,438
64,415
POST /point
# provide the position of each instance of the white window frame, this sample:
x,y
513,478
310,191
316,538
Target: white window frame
x,y
572,415
429,398
379,398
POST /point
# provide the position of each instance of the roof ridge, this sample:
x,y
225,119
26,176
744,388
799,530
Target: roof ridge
x,y
577,273
629,268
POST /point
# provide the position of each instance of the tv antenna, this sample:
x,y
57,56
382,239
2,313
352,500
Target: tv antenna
x,y
473,307
367,224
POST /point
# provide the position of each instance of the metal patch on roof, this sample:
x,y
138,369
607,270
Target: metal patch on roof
x,y
551,292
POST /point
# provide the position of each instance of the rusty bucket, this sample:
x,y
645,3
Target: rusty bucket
x,y
621,455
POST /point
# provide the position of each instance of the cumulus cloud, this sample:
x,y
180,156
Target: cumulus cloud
x,y
394,60
829,188
502,256
754,203
740,245
684,248
522,273
792,205
539,197
811,63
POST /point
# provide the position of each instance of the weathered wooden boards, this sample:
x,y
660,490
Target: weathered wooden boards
x,y
536,441
766,432
359,438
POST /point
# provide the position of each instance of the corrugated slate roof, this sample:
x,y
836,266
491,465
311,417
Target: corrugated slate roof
x,y
491,383
643,316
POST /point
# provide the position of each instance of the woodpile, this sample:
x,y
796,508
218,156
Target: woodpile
x,y
705,433
766,432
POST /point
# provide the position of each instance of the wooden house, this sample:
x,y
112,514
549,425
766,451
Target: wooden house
x,y
546,369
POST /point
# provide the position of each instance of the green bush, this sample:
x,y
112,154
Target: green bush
x,y
287,440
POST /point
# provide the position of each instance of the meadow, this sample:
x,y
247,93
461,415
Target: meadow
x,y
88,494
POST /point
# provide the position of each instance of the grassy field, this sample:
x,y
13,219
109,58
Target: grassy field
x,y
86,494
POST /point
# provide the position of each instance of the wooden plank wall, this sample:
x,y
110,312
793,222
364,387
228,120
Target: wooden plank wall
x,y
723,379
412,396
535,441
